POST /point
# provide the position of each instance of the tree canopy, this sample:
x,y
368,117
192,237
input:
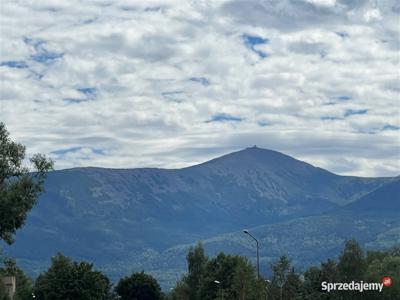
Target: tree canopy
x,y
139,286
70,280
19,188
222,277
234,277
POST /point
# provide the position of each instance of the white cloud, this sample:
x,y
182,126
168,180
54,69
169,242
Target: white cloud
x,y
372,15
129,84
328,3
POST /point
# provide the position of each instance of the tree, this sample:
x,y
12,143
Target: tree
x,y
222,277
280,271
244,282
314,276
387,266
352,264
312,282
197,261
69,280
228,277
180,292
19,189
293,287
329,271
139,286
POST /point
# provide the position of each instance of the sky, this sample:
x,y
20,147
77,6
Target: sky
x,y
169,84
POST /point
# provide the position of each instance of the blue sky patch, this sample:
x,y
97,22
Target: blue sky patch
x,y
42,55
330,118
337,99
222,117
74,100
89,21
251,41
36,75
89,92
17,64
63,152
98,151
342,34
391,127
344,98
202,80
262,123
176,96
46,57
351,112
153,9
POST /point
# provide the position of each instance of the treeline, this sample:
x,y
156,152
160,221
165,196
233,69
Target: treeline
x,y
228,277
69,280
234,277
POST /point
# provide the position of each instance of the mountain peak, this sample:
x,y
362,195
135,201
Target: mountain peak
x,y
257,154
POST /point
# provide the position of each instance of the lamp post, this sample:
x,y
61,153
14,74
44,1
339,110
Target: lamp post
x,y
258,256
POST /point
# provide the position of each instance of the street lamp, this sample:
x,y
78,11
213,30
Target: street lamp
x,y
221,291
258,256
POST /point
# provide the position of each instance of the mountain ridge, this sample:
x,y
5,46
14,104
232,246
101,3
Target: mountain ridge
x,y
103,215
225,156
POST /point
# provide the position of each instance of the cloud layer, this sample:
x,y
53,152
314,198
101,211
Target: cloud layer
x,y
173,83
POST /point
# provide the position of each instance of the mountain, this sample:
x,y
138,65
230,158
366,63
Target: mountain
x,y
373,219
385,199
128,219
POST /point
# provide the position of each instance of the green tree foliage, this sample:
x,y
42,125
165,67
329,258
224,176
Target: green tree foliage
x,y
69,280
285,283
312,282
236,277
329,271
181,291
314,276
19,189
197,262
24,286
293,287
384,264
222,277
352,262
139,286
371,268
